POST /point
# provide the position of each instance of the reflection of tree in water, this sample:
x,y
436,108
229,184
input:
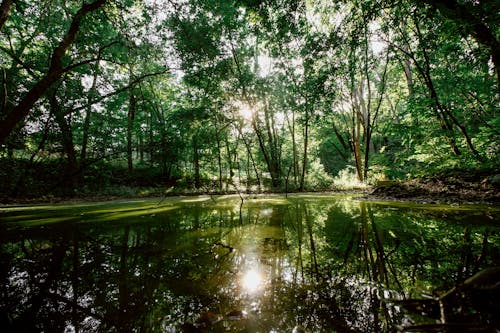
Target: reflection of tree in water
x,y
324,267
399,252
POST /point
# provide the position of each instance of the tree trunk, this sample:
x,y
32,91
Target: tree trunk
x,y
408,73
366,105
262,146
5,8
151,141
272,143
86,123
356,134
306,142
250,158
196,163
140,148
67,138
230,162
219,157
130,127
357,149
294,152
21,110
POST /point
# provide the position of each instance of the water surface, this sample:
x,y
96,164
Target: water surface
x,y
317,263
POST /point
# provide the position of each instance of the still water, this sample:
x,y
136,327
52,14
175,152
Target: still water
x,y
305,263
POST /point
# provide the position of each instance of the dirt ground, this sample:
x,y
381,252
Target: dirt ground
x,y
460,189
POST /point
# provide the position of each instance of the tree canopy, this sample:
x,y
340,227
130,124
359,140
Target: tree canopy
x,y
245,94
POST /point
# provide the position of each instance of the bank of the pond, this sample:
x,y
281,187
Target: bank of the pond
x,y
409,191
463,189
6,201
474,188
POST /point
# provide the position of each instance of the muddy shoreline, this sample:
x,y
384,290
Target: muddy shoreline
x,y
448,190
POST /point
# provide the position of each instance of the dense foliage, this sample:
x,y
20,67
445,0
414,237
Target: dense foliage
x,y
244,95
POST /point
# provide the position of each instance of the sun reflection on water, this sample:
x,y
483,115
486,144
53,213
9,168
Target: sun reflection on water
x,y
252,280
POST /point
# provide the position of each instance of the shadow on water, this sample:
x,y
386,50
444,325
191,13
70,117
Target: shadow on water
x,y
273,264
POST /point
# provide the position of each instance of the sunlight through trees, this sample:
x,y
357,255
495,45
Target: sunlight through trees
x,y
248,95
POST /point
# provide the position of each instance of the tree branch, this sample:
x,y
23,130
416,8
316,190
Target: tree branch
x,y
120,90
54,73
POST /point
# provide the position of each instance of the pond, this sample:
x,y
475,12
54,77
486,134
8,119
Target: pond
x,y
302,263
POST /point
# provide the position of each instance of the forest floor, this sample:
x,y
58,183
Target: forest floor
x,y
461,188
458,188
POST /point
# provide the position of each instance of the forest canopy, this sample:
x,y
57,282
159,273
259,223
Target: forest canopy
x,y
217,95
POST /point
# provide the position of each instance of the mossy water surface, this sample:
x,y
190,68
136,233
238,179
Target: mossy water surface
x,y
216,263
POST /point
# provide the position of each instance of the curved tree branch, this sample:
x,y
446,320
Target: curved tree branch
x,y
21,110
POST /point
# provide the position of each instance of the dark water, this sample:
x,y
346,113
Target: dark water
x,y
311,263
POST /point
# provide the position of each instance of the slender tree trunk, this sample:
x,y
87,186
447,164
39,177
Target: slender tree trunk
x,y
345,146
5,8
151,140
408,73
219,157
304,155
364,118
251,158
262,146
248,171
130,127
229,161
356,134
272,143
88,114
294,167
4,97
21,110
140,148
196,163
368,145
67,138
295,152
366,103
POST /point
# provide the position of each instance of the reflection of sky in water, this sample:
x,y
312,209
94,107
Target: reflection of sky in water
x,y
266,212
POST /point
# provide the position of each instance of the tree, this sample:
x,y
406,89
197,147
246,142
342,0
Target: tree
x,y
53,74
477,19
217,94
